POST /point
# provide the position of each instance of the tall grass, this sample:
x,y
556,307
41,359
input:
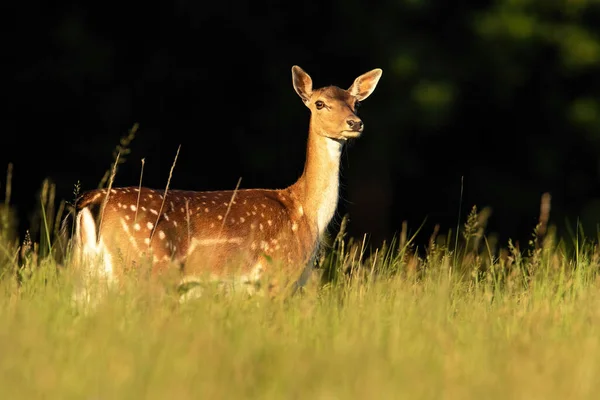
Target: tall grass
x,y
385,324
468,321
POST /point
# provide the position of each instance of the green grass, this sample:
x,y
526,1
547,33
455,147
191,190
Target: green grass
x,y
477,321
392,338
464,325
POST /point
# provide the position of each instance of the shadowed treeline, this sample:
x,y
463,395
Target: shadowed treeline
x,y
502,96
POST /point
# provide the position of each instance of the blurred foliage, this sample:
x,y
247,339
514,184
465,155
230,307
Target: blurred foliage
x,y
504,93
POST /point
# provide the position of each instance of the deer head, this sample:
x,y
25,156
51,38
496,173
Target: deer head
x,y
333,110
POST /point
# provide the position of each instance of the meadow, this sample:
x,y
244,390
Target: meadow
x,y
464,317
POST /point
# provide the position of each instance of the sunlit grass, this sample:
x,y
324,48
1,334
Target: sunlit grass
x,y
462,318
397,323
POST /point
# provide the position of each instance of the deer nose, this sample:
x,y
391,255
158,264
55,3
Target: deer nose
x,y
355,124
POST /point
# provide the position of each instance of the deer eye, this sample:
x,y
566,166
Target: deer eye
x,y
319,104
357,105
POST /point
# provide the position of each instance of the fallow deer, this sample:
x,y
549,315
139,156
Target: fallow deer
x,y
253,229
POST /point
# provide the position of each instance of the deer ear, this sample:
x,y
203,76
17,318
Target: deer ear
x,y
364,85
302,83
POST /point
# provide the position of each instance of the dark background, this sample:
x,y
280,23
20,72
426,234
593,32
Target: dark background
x,y
502,96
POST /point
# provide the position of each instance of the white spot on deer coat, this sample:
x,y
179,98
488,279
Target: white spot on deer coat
x,y
124,224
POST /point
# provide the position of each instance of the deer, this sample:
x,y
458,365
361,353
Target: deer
x,y
239,235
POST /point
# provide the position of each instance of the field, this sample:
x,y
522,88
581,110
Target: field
x,y
471,321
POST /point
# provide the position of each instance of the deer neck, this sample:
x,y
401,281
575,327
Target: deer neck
x,y
318,186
